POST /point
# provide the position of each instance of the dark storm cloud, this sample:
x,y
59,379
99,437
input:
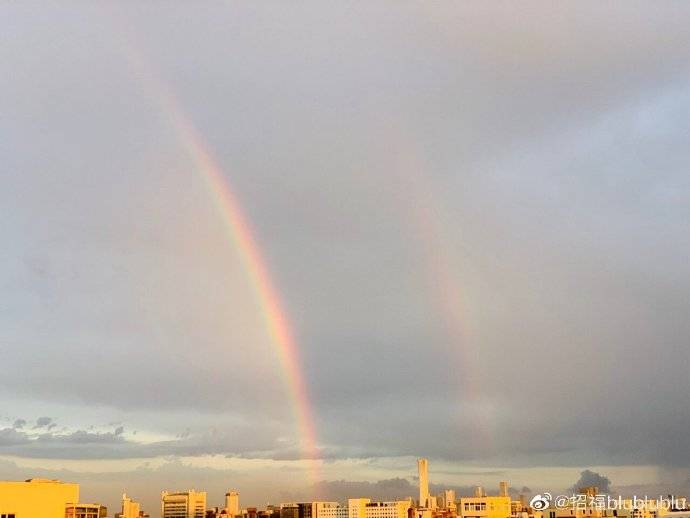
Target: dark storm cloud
x,y
476,216
589,478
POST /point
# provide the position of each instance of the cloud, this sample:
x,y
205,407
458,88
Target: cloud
x,y
396,488
341,490
84,444
449,199
590,478
43,422
10,437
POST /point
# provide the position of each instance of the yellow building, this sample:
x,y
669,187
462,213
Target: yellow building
x,y
482,506
130,508
365,508
85,511
36,498
187,504
232,503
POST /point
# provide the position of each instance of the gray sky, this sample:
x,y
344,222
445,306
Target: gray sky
x,y
477,216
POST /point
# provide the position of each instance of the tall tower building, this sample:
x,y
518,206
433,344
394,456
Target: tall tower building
x,y
503,489
423,469
232,503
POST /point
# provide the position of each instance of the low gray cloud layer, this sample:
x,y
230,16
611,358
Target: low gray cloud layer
x,y
89,445
476,217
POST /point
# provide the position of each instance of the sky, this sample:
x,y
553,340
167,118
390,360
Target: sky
x,y
475,216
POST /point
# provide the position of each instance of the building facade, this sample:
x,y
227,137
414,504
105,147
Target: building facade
x,y
423,472
85,511
232,503
483,506
328,510
130,508
36,498
187,504
365,508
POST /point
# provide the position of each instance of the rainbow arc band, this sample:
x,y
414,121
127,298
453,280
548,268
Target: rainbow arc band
x,y
240,233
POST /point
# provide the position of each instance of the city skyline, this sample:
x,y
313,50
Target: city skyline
x,y
591,495
291,249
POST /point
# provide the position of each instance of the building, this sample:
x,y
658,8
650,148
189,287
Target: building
x,y
423,470
232,503
482,506
187,504
588,503
130,508
312,510
519,507
85,511
449,498
290,510
328,510
356,507
36,497
365,508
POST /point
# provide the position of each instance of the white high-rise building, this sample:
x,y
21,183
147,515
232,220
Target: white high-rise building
x,y
423,469
232,503
187,504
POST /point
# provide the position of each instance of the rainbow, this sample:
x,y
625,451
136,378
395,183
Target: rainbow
x,y
424,215
240,233
274,315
